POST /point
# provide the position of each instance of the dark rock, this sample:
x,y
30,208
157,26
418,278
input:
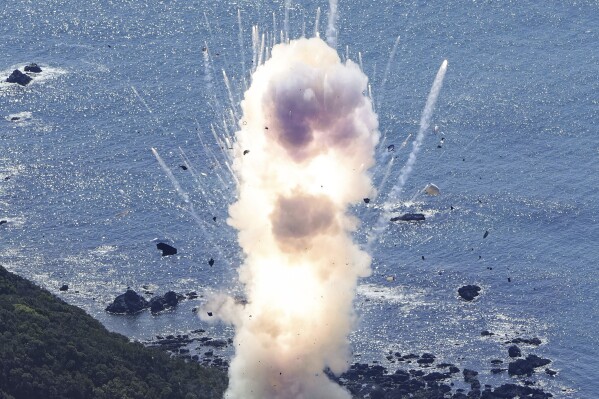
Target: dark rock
x,y
3,222
469,375
436,376
183,167
417,373
157,304
469,292
171,298
496,361
486,333
527,366
497,370
366,200
216,343
409,217
377,393
509,391
514,351
15,118
166,249
532,341
486,234
33,67
211,262
453,369
550,372
391,148
160,303
426,358
19,77
192,295
64,287
129,302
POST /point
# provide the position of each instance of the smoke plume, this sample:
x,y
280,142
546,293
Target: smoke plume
x,y
302,154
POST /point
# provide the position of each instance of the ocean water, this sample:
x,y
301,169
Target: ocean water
x,y
85,200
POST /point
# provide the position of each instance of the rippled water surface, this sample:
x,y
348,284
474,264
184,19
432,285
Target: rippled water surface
x,y
85,200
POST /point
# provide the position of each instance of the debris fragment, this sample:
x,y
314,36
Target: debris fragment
x,y
432,189
409,217
183,167
246,152
486,234
391,148
211,262
367,200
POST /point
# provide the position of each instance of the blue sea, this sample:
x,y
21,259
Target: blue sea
x,y
516,155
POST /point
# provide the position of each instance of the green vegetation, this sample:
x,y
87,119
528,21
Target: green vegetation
x,y
49,349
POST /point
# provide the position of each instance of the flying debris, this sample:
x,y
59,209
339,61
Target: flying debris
x,y
166,249
409,217
183,167
486,234
432,189
246,152
214,218
391,148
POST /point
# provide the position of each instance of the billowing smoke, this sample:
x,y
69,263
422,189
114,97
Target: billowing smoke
x,y
307,140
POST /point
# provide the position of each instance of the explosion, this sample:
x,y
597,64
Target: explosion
x,y
302,154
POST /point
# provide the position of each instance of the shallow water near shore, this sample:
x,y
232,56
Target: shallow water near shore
x,y
85,201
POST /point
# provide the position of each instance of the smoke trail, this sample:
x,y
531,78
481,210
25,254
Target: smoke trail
x,y
387,70
317,23
425,120
311,134
332,24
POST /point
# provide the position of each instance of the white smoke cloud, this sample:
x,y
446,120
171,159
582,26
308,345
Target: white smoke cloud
x,y
311,133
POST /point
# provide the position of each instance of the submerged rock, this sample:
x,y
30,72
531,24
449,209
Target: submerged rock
x,y
128,303
19,78
64,287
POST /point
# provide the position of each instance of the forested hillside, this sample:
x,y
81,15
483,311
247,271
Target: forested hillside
x,y
49,349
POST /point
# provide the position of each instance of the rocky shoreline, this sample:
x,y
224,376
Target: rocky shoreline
x,y
413,375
